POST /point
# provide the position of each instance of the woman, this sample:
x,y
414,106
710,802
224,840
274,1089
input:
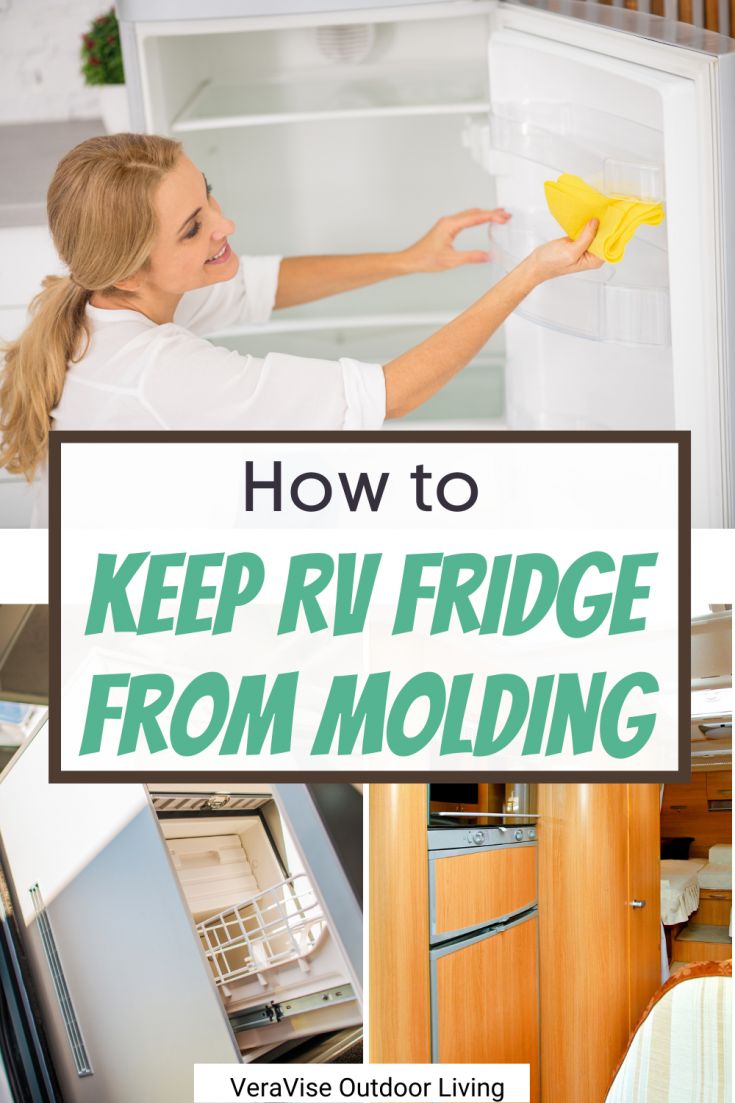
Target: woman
x,y
114,344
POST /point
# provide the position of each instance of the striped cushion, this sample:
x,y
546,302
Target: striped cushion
x,y
681,1052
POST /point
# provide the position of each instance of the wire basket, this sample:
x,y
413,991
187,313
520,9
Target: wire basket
x,y
282,924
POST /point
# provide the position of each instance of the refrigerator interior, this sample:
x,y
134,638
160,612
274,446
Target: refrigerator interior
x,y
344,138
260,923
357,137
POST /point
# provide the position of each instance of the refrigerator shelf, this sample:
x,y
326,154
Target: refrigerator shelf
x,y
279,925
626,303
616,155
346,92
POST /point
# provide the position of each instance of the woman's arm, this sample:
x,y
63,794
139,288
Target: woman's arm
x,y
304,279
416,375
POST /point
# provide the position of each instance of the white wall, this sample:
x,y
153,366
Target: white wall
x,y
39,59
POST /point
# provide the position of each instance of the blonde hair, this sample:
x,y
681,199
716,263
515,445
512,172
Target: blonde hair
x,y
103,224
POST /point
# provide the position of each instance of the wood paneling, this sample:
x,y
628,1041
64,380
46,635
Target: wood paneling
x,y
685,13
477,887
585,932
686,950
685,812
712,15
487,1000
714,907
399,925
644,881
718,784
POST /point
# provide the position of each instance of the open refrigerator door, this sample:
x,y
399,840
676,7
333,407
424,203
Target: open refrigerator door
x,y
646,343
165,927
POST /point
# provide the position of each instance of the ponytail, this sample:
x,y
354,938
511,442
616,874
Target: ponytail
x,y
56,335
110,180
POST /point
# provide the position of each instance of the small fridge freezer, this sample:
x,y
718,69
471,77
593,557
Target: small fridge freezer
x,y
333,127
483,952
177,924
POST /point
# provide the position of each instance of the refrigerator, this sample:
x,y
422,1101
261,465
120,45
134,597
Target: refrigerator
x,y
170,925
483,952
339,127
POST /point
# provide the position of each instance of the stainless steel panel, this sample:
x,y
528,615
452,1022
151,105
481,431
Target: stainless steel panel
x,y
146,1003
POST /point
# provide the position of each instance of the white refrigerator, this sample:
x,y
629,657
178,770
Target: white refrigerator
x,y
332,127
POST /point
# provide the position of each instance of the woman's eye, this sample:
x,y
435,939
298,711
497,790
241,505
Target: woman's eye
x,y
194,230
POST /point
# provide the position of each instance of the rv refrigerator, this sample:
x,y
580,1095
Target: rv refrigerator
x,y
332,127
483,943
160,928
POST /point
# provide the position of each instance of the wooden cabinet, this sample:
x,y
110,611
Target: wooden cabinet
x,y
686,811
599,956
718,784
480,886
487,999
485,988
715,906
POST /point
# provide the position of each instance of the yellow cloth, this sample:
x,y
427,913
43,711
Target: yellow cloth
x,y
573,203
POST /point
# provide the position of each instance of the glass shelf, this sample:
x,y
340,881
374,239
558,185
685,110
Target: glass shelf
x,y
611,153
349,92
626,302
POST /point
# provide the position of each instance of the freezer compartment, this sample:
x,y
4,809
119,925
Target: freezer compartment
x,y
262,929
484,993
476,392
616,155
554,381
469,890
626,302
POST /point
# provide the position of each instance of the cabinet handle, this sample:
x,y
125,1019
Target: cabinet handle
x,y
679,807
638,903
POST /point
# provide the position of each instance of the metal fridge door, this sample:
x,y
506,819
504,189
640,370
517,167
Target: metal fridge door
x,y
655,334
484,998
127,1000
469,889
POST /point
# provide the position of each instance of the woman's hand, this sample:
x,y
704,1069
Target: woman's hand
x,y
563,256
435,251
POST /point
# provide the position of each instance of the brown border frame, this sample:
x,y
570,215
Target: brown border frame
x,y
680,438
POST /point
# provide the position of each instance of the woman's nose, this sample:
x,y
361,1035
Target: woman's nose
x,y
225,228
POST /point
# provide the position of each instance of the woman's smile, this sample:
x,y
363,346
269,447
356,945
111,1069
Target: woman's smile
x,y
223,254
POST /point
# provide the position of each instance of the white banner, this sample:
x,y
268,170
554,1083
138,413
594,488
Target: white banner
x,y
370,1083
420,606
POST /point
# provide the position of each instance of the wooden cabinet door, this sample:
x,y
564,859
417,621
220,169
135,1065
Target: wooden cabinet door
x,y
487,1000
481,886
718,784
643,887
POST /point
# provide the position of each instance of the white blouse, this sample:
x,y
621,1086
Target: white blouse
x,y
140,375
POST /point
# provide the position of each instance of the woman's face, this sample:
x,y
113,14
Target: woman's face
x,y
191,249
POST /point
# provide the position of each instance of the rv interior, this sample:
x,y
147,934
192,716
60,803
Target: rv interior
x,y
696,818
542,924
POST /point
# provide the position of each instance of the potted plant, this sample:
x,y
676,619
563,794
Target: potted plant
x,y
102,66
